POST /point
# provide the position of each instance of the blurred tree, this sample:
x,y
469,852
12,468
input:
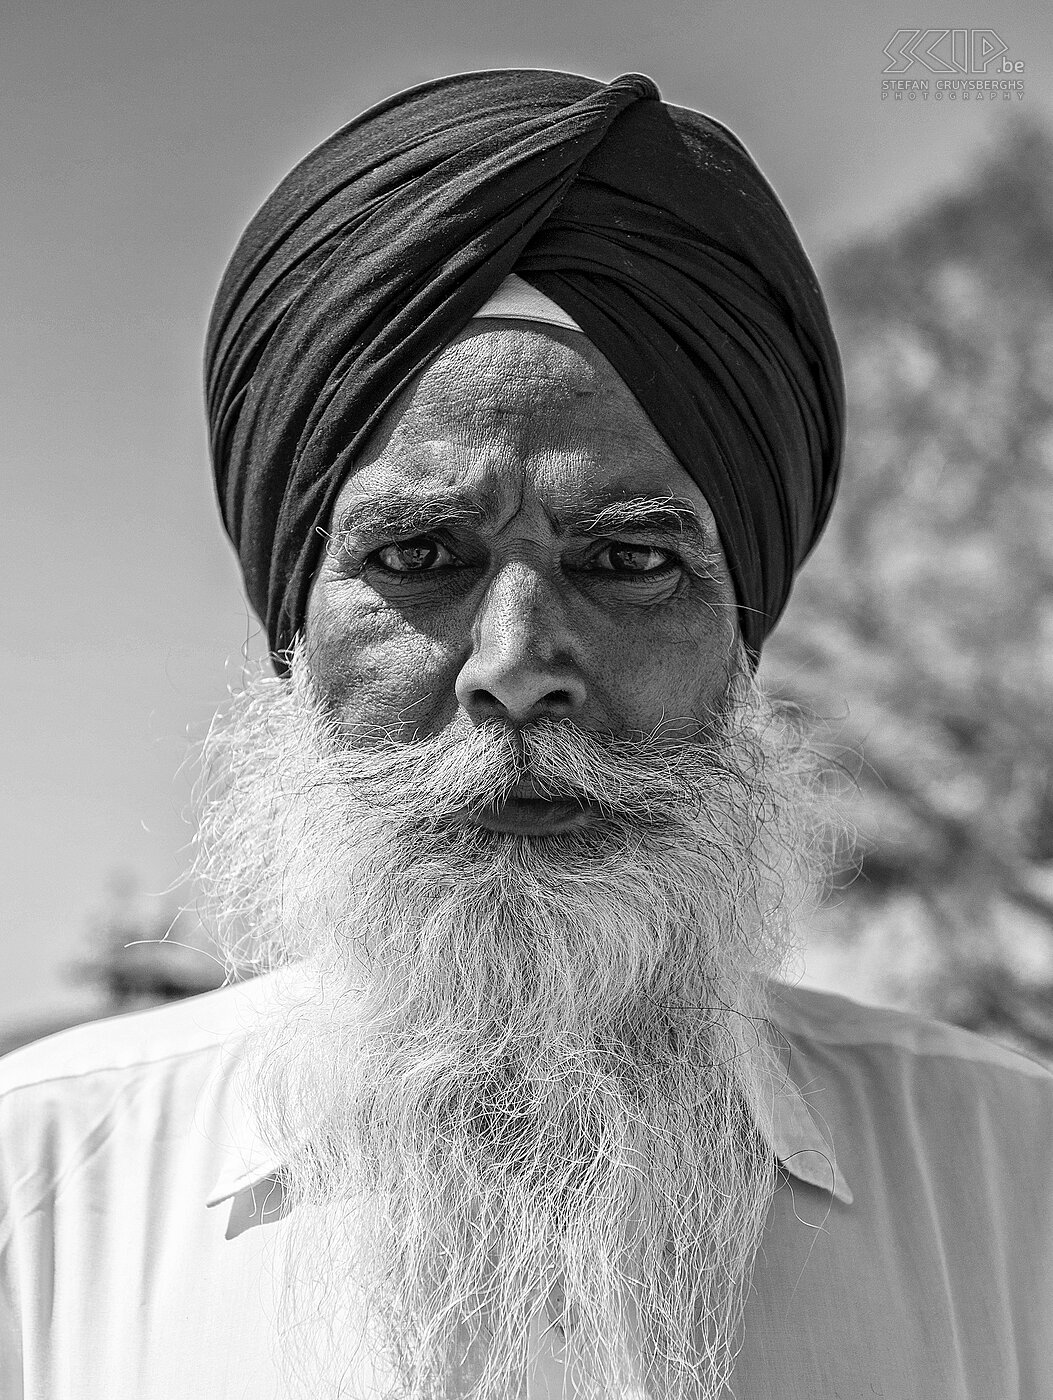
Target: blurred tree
x,y
925,619
145,949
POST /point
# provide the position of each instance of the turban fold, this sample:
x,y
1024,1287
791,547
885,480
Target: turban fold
x,y
648,223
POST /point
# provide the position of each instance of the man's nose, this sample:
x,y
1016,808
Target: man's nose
x,y
522,665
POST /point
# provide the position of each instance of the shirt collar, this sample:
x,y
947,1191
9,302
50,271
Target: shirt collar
x,y
801,1140
251,1176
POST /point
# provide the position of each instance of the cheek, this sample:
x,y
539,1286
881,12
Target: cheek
x,y
373,671
674,672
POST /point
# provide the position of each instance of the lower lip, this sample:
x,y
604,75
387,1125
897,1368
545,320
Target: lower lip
x,y
532,817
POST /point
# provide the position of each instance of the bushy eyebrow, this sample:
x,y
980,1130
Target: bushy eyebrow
x,y
665,515
397,514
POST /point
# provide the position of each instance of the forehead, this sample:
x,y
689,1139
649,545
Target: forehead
x,y
509,410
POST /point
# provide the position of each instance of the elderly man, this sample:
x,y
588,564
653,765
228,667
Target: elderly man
x,y
525,409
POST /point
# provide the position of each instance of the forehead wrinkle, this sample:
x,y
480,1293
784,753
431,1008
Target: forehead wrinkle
x,y
478,406
498,353
473,429
481,444
520,380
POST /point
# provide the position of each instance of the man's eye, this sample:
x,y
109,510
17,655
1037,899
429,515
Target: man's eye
x,y
635,559
413,556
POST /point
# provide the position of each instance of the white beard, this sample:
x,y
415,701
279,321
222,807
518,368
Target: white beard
x,y
523,1070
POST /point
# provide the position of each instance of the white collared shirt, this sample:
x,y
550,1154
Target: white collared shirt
x,y
141,1214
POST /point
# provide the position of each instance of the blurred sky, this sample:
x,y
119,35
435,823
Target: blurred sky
x,y
137,140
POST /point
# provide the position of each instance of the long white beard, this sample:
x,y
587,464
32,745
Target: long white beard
x,y
522,1070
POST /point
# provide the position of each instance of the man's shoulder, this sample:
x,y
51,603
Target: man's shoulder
x,y
160,1040
808,1015
913,1079
111,1102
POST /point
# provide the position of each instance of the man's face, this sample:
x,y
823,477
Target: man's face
x,y
518,544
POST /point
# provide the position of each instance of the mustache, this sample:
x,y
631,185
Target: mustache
x,y
442,777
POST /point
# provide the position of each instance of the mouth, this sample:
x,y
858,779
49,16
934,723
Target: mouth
x,y
525,813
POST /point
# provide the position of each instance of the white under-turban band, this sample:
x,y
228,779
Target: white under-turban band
x,y
518,300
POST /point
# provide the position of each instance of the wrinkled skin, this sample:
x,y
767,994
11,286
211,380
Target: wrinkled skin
x,y
517,604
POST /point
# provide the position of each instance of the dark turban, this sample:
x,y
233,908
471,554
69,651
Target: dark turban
x,y
648,223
